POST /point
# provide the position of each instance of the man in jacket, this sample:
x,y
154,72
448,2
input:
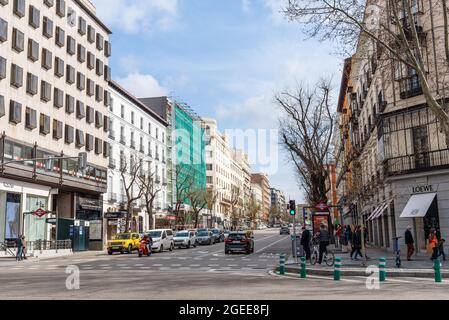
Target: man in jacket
x,y
324,238
19,244
410,242
356,243
305,241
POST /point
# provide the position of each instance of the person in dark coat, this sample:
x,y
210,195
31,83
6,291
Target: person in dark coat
x,y
410,242
356,243
324,239
305,241
19,244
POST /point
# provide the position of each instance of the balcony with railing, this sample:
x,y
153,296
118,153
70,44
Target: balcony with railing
x,y
419,162
133,144
112,197
410,87
142,149
111,134
112,163
157,156
123,140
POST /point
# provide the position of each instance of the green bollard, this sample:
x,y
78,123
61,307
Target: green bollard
x,y
282,264
437,268
382,271
337,271
303,268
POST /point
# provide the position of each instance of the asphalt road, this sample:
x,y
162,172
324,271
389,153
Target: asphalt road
x,y
201,273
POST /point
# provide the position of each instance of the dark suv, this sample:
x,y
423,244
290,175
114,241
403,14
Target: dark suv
x,y
284,230
219,235
239,242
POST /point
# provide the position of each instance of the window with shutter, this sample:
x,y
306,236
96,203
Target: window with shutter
x,y
90,115
30,119
69,134
57,129
69,104
58,99
47,27
33,50
44,124
79,138
15,112
2,68
2,106
89,142
80,112
45,91
98,119
98,146
32,84
18,39
34,18
16,76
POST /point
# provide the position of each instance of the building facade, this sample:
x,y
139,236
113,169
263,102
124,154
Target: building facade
x,y
262,180
136,134
401,168
54,99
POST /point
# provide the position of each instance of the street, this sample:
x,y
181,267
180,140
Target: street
x,y
202,273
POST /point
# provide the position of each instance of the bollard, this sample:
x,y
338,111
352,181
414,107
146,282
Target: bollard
x,y
437,268
382,271
337,271
303,268
282,264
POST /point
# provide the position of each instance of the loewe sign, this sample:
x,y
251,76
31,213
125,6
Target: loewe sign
x,y
422,189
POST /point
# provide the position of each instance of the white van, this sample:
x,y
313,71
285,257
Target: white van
x,y
162,239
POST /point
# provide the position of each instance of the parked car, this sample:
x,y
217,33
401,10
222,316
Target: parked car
x,y
162,239
205,237
284,230
124,242
219,235
239,242
184,239
226,233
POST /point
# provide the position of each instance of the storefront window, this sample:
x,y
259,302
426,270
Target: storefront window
x,y
35,227
12,227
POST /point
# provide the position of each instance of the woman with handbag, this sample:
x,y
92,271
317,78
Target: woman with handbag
x,y
433,245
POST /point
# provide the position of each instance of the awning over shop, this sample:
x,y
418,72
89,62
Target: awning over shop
x,y
381,210
374,213
418,205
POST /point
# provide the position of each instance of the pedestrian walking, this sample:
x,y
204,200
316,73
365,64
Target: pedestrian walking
x,y
323,237
356,243
441,249
432,247
19,244
24,248
410,242
338,234
305,241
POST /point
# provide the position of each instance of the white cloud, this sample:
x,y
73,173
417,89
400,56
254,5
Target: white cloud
x,y
142,85
134,16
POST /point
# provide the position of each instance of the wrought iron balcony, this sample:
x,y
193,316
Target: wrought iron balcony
x,y
112,197
112,163
111,134
419,162
410,87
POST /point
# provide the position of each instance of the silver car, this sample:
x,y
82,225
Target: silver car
x,y
205,237
185,239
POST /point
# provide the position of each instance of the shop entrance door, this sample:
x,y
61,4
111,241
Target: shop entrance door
x,y
12,216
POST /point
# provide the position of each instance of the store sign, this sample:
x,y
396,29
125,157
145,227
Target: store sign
x,y
422,189
51,221
40,212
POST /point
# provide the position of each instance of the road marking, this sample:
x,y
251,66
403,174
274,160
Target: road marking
x,y
106,268
252,265
104,265
270,245
213,265
157,265
194,265
213,259
232,265
121,265
230,259
86,265
184,268
175,265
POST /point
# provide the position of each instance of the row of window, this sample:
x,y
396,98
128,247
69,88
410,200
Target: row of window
x,y
19,9
17,78
60,131
18,44
122,115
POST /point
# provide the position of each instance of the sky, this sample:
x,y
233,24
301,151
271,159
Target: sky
x,y
226,59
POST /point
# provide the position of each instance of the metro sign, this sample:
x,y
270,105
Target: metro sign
x,y
40,212
322,206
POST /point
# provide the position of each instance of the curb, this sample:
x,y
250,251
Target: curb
x,y
348,272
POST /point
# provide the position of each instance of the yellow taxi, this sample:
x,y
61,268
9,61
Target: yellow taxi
x,y
124,242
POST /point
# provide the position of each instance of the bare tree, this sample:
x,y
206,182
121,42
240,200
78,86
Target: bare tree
x,y
392,30
130,174
184,183
211,200
197,199
306,132
253,208
150,190
235,202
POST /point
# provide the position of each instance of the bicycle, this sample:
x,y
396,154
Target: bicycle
x,y
328,257
398,252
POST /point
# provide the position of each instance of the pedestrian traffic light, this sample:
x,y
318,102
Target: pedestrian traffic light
x,y
292,207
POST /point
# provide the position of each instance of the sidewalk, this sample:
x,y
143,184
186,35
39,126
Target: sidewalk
x,y
420,266
10,260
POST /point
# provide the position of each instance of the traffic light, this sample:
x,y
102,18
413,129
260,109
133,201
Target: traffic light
x,y
292,207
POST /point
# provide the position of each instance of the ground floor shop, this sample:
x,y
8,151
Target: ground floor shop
x,y
419,201
41,214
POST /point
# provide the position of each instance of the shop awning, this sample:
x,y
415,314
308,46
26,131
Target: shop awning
x,y
418,205
381,210
374,213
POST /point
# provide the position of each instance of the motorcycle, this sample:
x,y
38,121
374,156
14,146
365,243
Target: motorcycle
x,y
144,248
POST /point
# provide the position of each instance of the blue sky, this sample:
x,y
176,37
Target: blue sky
x,y
225,58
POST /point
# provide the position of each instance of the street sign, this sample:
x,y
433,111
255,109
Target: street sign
x,y
50,220
40,212
322,206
